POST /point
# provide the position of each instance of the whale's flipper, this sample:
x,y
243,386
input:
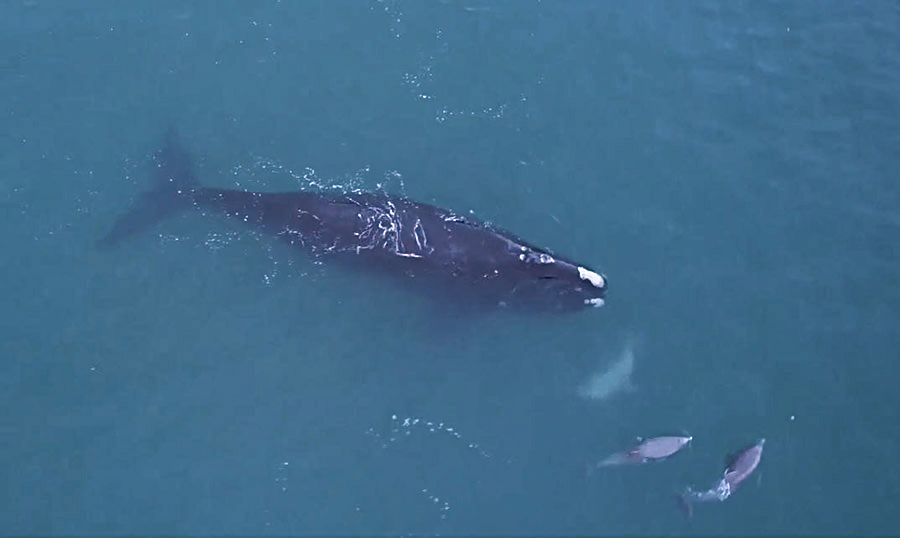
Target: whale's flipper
x,y
173,178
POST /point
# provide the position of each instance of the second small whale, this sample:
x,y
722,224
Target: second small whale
x,y
647,450
738,466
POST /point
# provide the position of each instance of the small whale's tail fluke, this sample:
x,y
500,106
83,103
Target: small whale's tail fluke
x,y
173,179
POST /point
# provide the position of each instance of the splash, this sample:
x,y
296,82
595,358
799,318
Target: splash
x,y
268,175
421,81
404,429
392,10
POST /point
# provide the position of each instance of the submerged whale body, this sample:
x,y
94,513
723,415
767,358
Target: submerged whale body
x,y
419,243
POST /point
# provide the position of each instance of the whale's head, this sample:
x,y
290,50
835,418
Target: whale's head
x,y
505,271
549,283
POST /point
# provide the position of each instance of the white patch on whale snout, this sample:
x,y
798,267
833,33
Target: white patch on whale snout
x,y
596,301
591,277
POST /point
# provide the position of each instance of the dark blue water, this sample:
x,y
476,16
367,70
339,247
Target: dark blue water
x,y
731,166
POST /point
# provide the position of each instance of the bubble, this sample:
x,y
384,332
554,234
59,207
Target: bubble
x,y
407,427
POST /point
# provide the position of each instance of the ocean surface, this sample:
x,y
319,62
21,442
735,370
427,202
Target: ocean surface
x,y
730,166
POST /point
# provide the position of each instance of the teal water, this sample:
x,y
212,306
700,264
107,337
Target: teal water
x,y
729,165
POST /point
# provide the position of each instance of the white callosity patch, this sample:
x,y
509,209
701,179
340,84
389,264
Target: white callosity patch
x,y
591,277
530,256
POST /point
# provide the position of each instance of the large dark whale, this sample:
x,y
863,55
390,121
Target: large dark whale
x,y
420,243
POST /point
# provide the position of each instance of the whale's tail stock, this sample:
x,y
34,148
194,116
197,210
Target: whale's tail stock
x,y
173,178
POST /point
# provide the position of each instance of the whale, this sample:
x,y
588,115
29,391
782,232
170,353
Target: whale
x,y
421,245
738,466
645,451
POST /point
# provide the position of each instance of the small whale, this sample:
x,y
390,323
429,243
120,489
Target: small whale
x,y
738,466
616,379
647,450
